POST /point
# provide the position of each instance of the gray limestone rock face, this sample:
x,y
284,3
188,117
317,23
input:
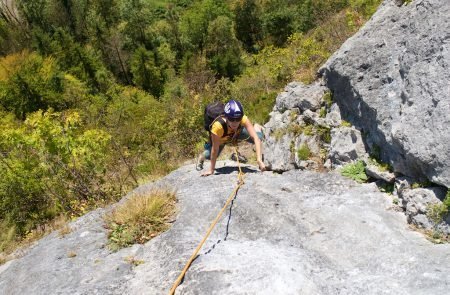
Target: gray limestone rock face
x,y
301,96
278,153
346,146
312,143
277,144
391,80
296,233
374,172
333,117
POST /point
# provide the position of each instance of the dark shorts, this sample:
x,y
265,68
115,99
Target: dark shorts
x,y
242,136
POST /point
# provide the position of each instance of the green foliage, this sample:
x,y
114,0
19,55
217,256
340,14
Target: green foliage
x,y
279,23
346,124
48,165
308,130
195,21
365,7
421,184
279,133
388,188
324,133
355,171
437,212
380,165
249,28
304,152
323,112
29,82
222,48
7,235
145,72
328,99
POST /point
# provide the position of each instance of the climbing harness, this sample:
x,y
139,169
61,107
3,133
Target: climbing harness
x,y
240,183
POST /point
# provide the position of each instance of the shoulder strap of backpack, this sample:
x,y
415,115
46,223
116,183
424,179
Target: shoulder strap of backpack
x,y
222,122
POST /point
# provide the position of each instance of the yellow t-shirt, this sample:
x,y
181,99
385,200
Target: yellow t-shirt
x,y
217,129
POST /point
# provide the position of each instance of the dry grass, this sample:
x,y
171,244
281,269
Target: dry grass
x,y
433,236
140,218
64,230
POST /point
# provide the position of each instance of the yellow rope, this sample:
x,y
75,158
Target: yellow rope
x,y
211,227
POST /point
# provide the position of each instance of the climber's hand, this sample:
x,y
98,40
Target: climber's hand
x,y
261,165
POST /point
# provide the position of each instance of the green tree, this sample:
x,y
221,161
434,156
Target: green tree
x,y
29,82
34,13
146,73
195,21
49,164
137,18
222,48
248,25
279,23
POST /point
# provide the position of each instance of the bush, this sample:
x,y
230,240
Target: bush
x,y
140,218
355,171
437,212
304,152
29,82
50,165
324,133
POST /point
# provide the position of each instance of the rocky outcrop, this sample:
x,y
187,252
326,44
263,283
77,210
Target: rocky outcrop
x,y
297,233
391,80
301,96
295,124
346,146
417,203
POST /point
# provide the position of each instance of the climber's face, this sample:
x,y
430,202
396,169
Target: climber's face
x,y
233,123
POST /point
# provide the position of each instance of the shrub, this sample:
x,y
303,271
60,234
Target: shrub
x,y
384,167
327,98
437,212
140,218
7,235
308,130
387,188
49,165
304,152
345,124
324,133
323,112
355,171
295,129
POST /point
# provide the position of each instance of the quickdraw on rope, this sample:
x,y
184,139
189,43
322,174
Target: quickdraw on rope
x,y
211,227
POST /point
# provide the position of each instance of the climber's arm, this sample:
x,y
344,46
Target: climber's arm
x,y
251,131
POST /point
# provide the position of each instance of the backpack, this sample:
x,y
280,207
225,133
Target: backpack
x,y
215,111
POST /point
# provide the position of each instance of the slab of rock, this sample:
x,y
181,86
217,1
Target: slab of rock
x,y
374,172
301,96
391,80
346,146
295,233
333,117
278,153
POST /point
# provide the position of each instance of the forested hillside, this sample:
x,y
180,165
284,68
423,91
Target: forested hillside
x,y
99,95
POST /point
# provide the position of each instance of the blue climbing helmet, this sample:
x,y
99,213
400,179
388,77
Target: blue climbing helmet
x,y
233,109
